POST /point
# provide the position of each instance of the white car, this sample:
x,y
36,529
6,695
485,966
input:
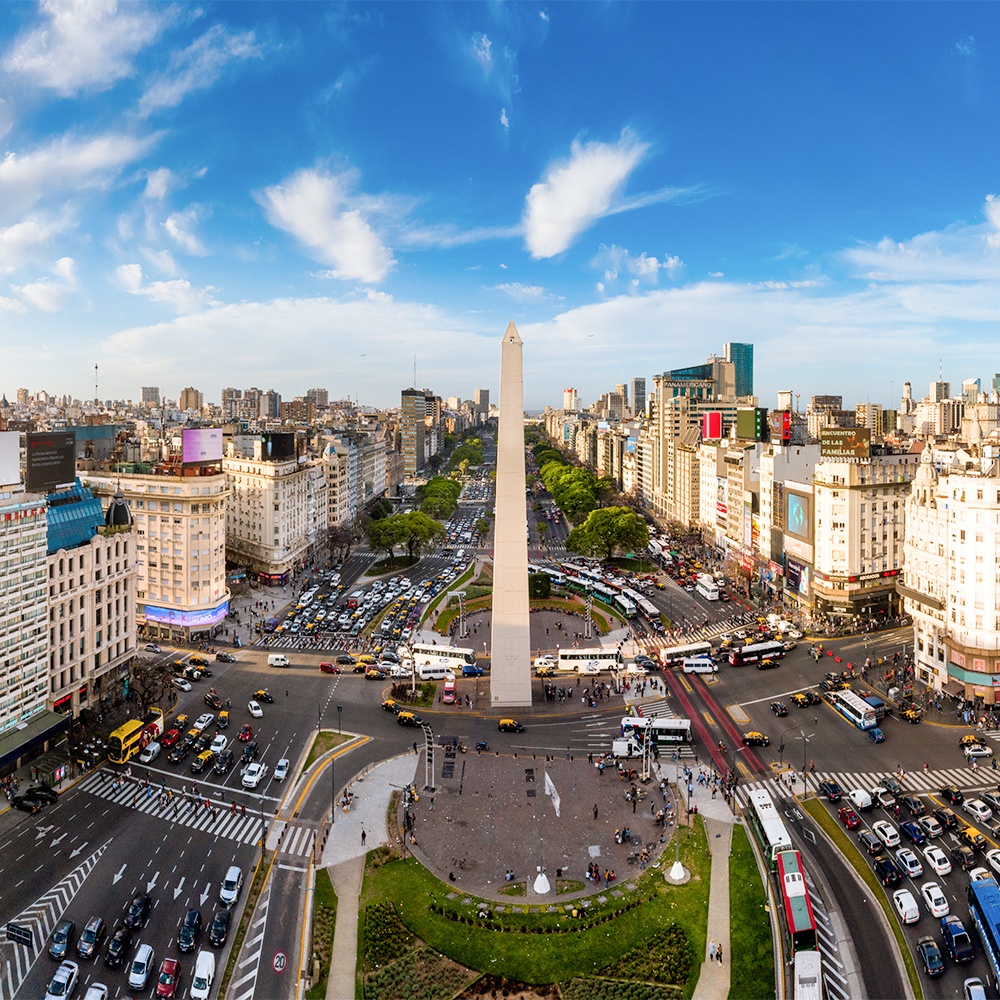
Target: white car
x,y
150,754
96,991
253,707
590,669
151,647
141,967
179,682
993,857
397,670
906,906
218,744
254,774
973,989
978,874
909,862
204,720
937,902
281,769
937,860
886,832
971,753
231,885
978,810
63,983
794,634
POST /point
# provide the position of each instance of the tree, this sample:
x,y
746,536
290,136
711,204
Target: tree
x,y
608,530
337,541
386,534
418,530
150,682
381,508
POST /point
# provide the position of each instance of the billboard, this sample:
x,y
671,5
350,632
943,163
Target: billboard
x,y
201,444
845,442
796,576
277,446
201,618
711,425
51,460
751,424
721,501
798,515
10,458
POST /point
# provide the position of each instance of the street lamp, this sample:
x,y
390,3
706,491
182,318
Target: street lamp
x,y
805,773
340,709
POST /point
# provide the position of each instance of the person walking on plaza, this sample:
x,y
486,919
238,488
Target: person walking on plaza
x,y
364,837
595,810
711,951
718,954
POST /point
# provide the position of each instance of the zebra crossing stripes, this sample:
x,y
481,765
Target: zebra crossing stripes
x,y
40,918
292,838
222,823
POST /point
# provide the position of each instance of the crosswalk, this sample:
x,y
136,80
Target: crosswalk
x,y
834,976
919,782
221,820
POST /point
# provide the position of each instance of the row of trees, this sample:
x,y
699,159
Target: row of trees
x,y
413,531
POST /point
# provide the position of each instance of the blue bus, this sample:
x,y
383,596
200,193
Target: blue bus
x,y
984,910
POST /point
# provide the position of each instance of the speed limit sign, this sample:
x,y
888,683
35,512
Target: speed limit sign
x,y
280,961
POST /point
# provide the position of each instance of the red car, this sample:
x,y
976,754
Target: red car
x,y
170,738
245,733
849,818
329,668
169,977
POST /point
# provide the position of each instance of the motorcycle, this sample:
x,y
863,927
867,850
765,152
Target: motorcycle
x,y
482,746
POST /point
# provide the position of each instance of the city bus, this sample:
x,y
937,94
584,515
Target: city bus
x,y
451,657
707,587
799,922
984,909
672,655
855,709
767,826
624,605
570,660
666,733
134,736
754,652
808,976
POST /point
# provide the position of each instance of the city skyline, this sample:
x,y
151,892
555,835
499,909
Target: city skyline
x,y
289,195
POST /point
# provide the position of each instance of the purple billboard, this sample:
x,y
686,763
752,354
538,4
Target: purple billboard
x,y
202,618
201,444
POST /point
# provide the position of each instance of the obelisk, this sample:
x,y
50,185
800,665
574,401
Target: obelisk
x,y
510,670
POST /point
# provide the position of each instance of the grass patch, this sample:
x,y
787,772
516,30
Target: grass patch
x,y
253,894
849,850
517,889
529,944
325,741
422,698
324,924
569,885
750,938
393,565
422,974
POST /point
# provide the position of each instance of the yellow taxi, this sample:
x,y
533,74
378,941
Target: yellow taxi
x,y
970,740
391,706
755,739
181,721
366,658
799,699
544,670
973,838
374,674
223,721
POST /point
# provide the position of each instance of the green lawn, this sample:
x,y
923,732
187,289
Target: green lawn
x,y
752,977
539,947
326,740
324,922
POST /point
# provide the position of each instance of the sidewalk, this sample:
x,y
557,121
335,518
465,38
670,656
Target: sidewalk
x,y
344,856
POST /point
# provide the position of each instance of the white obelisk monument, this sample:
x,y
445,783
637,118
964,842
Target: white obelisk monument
x,y
510,671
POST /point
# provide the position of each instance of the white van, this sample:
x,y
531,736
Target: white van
x,y
150,754
860,799
699,665
204,975
277,660
433,671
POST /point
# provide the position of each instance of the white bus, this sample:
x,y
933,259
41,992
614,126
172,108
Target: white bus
x,y
437,670
699,665
707,587
454,657
671,655
571,660
665,732
808,976
855,709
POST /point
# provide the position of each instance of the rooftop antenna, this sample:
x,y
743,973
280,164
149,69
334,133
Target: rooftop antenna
x,y
96,401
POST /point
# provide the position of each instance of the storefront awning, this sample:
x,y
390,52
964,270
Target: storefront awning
x,y
20,742
953,688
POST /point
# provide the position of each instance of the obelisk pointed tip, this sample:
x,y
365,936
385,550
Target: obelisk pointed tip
x,y
511,334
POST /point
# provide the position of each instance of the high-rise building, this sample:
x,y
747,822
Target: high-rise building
x,y
638,396
22,396
971,387
320,398
741,355
413,412
481,403
570,399
191,399
270,405
150,396
939,391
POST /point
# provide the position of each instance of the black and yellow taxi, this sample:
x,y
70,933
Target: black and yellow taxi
x,y
912,715
180,722
545,670
510,726
971,740
223,720
389,705
755,739
799,700
374,674
973,838
409,719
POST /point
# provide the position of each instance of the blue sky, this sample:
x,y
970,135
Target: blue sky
x,y
295,195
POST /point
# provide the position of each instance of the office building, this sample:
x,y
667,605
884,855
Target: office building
x,y
150,396
320,398
191,400
413,411
481,404
741,356
638,396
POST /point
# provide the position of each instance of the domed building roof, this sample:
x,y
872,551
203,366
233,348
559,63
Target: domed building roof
x,y
118,513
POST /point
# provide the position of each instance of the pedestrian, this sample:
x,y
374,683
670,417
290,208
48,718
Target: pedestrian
x,y
595,810
414,746
244,808
711,950
364,837
718,954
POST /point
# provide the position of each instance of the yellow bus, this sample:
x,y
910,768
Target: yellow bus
x,y
133,737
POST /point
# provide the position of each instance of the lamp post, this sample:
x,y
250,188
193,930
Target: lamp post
x,y
340,709
781,744
805,773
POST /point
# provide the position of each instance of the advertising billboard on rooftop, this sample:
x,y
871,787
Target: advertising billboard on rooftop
x,y
277,446
201,444
10,458
845,442
51,460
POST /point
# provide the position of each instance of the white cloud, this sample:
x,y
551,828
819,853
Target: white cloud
x,y
159,183
162,260
482,51
578,191
319,211
180,226
504,120
177,293
84,44
613,260
543,15
28,240
522,293
198,67
66,164
47,294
